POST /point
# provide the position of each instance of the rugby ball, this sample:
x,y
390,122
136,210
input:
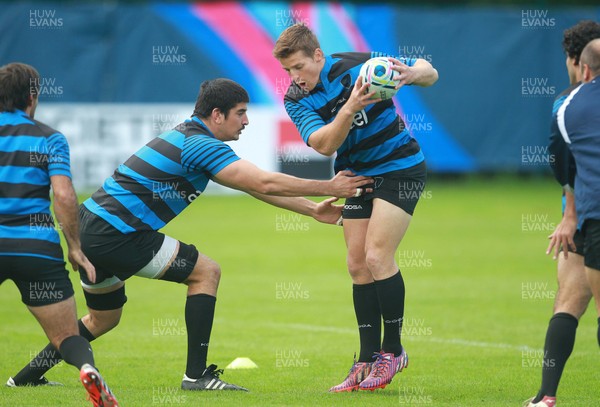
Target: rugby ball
x,y
379,75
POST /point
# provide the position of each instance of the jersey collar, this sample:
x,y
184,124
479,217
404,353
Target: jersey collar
x,y
201,123
323,75
18,112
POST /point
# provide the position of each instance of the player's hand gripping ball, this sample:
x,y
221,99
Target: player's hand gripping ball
x,y
378,74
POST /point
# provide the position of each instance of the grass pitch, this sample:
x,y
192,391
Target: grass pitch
x,y
479,296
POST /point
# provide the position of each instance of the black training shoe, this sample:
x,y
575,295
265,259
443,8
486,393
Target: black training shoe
x,y
42,381
209,381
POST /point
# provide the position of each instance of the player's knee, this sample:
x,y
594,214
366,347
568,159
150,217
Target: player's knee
x,y
58,339
358,270
581,304
111,320
204,270
373,259
574,305
108,324
100,322
356,265
213,270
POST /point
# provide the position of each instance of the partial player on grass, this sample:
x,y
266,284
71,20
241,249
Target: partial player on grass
x,y
33,159
578,123
120,223
566,242
341,104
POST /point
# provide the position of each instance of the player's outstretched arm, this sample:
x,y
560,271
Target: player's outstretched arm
x,y
65,209
245,176
327,139
324,211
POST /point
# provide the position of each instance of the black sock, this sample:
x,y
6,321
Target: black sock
x,y
391,293
76,351
598,331
45,360
199,315
368,317
560,338
38,366
83,331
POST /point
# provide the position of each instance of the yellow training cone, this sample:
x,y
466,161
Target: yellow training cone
x,y
242,363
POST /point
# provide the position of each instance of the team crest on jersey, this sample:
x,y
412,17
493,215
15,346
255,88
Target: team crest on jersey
x,y
346,81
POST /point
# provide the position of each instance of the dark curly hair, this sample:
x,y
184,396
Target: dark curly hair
x,y
577,37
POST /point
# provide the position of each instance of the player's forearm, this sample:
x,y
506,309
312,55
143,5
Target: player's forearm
x,y
245,176
283,185
425,73
66,211
299,205
570,211
330,137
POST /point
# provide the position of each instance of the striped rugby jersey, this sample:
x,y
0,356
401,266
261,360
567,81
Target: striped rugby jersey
x,y
30,153
378,141
161,179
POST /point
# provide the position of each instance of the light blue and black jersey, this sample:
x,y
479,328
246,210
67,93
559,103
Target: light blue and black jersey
x,y
378,141
30,153
161,179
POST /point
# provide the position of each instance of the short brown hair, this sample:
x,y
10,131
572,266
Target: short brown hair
x,y
590,56
18,82
297,37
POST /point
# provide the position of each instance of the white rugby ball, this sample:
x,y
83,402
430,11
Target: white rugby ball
x,y
379,75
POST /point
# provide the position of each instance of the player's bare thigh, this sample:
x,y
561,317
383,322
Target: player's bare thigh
x,y
355,234
387,227
58,320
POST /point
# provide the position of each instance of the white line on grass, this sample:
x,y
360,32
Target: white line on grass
x,y
449,341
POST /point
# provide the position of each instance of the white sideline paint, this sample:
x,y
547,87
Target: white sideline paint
x,y
448,341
